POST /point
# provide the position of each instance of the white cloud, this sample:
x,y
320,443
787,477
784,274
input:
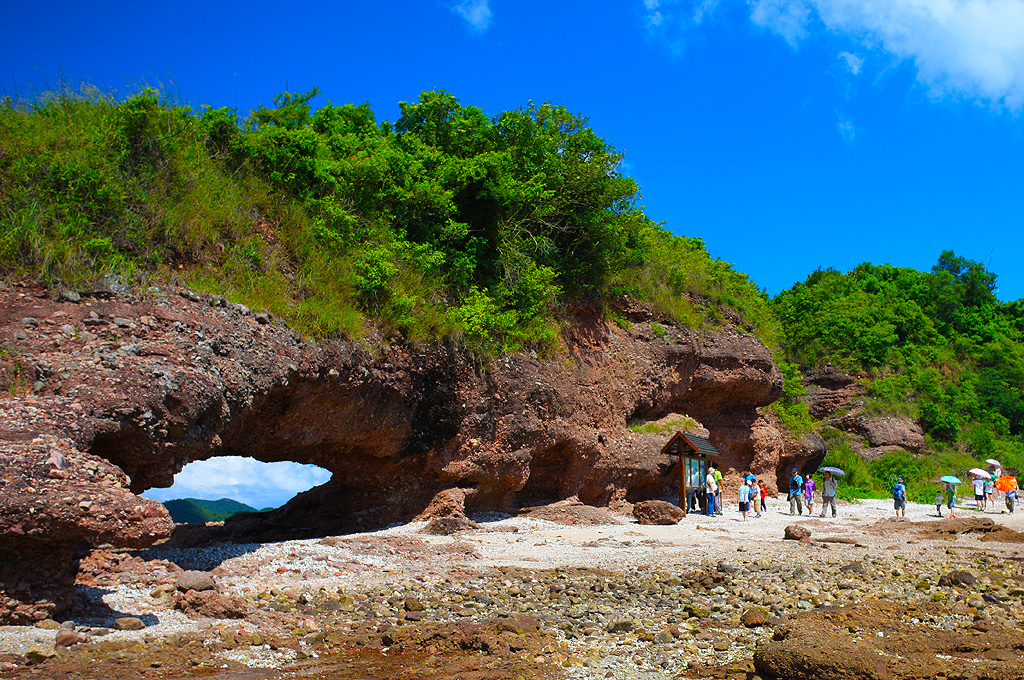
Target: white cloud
x,y
852,62
788,18
678,14
704,9
972,48
961,48
847,130
242,479
654,16
476,13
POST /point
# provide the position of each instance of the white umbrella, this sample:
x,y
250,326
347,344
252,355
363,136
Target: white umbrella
x,y
978,472
992,461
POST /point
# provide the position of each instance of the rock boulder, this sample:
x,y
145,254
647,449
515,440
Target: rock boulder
x,y
657,512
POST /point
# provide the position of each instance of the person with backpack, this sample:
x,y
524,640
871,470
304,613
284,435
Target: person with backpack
x,y
796,494
899,497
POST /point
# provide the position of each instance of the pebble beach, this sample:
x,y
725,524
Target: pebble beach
x,y
611,599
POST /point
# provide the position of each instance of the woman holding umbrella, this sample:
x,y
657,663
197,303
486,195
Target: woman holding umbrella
x,y
950,481
828,489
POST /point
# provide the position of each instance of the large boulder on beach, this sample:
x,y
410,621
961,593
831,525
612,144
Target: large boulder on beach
x,y
212,605
657,512
795,532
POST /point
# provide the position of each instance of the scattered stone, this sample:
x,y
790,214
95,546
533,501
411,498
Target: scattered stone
x,y
38,655
623,626
128,623
754,618
211,604
69,638
958,578
196,580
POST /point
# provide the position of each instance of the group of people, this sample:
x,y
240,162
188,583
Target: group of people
x,y
802,490
752,493
983,497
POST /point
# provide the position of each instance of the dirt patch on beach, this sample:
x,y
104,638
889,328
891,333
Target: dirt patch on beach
x,y
988,529
582,515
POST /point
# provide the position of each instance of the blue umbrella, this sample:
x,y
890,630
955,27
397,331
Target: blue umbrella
x,y
950,478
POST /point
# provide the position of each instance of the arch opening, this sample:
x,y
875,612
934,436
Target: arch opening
x,y
235,484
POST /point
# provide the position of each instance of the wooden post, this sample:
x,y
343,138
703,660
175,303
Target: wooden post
x,y
682,480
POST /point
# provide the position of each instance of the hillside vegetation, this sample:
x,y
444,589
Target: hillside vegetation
x,y
198,511
934,346
445,223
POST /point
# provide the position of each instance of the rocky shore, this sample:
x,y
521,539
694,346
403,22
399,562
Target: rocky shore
x,y
590,595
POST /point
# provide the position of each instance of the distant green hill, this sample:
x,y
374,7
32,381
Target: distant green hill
x,y
195,510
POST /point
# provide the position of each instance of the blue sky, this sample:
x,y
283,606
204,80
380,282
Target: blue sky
x,y
788,134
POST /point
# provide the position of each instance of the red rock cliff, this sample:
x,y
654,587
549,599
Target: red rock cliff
x,y
126,391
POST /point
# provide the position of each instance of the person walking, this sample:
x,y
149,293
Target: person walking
x,y
990,492
755,496
764,495
796,483
744,498
710,489
899,497
718,485
951,498
979,493
938,503
809,488
829,486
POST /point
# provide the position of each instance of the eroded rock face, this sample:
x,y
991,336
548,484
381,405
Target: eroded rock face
x,y
53,497
830,391
883,434
139,387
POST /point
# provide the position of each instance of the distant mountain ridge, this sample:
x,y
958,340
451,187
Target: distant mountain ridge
x,y
197,510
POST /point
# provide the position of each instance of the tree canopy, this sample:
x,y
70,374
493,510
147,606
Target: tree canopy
x,y
445,222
